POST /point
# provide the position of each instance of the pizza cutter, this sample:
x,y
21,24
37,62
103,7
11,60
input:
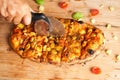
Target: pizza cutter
x,y
48,26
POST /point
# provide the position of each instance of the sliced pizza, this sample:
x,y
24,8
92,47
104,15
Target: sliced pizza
x,y
80,42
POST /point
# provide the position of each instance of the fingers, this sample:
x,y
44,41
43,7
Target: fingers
x,y
17,20
4,10
16,12
27,19
11,10
27,16
11,13
9,18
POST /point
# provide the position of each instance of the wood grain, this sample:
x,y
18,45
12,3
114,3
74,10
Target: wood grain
x,y
105,16
13,67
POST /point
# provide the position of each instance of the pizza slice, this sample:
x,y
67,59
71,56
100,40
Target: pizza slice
x,y
79,43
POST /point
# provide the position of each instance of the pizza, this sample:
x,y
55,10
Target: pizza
x,y
80,42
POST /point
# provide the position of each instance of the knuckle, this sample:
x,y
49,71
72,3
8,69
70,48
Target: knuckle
x,y
3,12
17,20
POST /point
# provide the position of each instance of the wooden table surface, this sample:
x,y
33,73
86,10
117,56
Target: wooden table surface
x,y
13,67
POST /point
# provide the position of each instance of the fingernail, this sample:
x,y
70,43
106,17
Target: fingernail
x,y
27,19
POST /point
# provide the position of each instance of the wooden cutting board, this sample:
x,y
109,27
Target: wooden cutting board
x,y
13,67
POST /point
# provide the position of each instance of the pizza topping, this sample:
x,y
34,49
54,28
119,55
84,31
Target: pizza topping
x,y
94,12
92,21
108,51
40,2
41,9
95,70
63,4
21,49
20,26
118,57
27,46
101,5
81,22
90,51
77,15
108,26
115,37
111,8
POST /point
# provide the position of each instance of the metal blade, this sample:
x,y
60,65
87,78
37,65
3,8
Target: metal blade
x,y
41,27
55,28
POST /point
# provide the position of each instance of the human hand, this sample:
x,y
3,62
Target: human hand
x,y
15,11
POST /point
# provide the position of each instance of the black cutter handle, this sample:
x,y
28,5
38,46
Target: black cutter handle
x,y
39,16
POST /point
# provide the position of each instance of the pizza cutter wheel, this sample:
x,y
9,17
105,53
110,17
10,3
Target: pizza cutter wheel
x,y
48,26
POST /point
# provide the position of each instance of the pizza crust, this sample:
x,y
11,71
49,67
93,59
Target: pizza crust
x,y
80,43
